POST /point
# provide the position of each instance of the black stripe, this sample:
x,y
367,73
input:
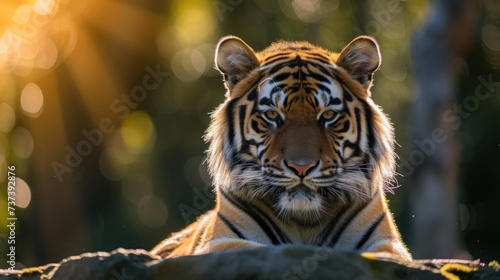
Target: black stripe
x,y
276,57
231,226
325,89
230,122
357,116
369,232
280,77
242,116
333,222
252,96
319,57
347,95
254,124
277,61
265,101
346,110
345,223
283,237
319,67
245,208
356,145
334,100
261,153
369,124
276,89
276,68
291,63
346,126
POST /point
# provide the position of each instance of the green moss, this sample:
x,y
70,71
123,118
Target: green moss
x,y
33,270
494,264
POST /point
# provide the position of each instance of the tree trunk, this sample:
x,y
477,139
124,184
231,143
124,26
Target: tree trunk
x,y
434,153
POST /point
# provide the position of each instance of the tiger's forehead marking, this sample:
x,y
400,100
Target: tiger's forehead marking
x,y
321,94
271,93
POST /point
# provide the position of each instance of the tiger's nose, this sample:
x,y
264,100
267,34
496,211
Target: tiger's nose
x,y
301,167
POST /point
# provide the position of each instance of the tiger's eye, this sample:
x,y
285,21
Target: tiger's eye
x,y
328,115
272,114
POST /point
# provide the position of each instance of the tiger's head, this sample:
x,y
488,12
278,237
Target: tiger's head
x,y
298,129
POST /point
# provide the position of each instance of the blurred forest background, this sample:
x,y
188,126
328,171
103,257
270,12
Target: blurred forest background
x,y
103,104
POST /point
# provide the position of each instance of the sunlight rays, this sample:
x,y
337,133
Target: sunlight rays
x,y
62,63
127,26
93,76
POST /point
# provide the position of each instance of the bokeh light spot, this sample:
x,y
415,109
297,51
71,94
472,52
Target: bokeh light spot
x,y
4,153
47,55
22,142
136,186
152,211
491,36
22,14
110,165
121,153
189,64
44,7
7,118
307,10
23,193
198,61
138,132
194,26
393,68
32,100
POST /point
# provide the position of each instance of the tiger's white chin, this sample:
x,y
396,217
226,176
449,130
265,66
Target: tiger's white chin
x,y
300,203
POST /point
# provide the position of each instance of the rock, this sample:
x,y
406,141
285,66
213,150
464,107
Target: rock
x,y
280,262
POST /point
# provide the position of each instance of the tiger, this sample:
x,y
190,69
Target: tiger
x,y
298,152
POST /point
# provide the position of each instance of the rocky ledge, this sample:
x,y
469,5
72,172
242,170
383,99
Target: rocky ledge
x,y
286,262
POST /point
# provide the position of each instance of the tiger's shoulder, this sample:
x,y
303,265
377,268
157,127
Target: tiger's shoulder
x,y
186,241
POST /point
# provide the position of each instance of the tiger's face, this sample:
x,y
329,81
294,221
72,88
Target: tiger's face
x,y
298,129
307,150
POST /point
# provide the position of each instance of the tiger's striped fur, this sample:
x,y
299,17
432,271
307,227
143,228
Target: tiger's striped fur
x,y
299,153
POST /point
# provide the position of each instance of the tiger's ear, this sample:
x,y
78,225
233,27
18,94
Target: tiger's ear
x,y
234,59
361,58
